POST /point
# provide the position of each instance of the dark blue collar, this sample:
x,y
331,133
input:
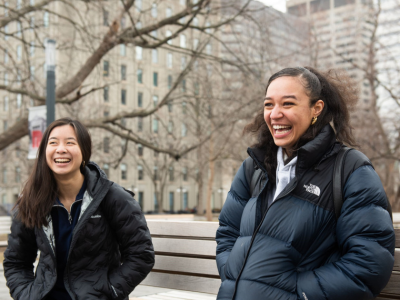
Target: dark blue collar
x,y
78,197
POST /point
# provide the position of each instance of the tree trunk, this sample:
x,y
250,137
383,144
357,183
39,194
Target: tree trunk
x,y
211,165
200,200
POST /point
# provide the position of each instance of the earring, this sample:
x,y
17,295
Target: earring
x,y
314,120
83,163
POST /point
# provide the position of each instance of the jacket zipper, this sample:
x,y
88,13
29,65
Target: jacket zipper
x,y
257,229
68,212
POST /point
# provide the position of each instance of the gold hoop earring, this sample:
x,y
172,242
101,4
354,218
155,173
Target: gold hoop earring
x,y
83,163
314,120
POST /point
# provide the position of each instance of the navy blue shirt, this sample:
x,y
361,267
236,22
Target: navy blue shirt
x,y
63,226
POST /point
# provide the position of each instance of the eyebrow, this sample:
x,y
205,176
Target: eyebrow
x,y
284,97
56,138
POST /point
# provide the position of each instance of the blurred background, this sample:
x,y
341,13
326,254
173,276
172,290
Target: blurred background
x,y
166,86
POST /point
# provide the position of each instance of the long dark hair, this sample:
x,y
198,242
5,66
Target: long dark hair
x,y
339,94
38,195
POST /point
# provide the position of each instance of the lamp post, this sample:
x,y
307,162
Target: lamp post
x,y
50,79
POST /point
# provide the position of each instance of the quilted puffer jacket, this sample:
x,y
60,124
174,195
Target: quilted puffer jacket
x,y
296,249
110,254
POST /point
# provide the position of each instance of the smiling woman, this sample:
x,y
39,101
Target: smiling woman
x,y
91,233
279,235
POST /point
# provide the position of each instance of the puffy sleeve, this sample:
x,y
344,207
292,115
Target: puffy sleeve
x,y
366,238
137,253
18,261
230,217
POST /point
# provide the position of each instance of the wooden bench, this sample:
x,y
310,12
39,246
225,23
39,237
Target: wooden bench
x,y
185,258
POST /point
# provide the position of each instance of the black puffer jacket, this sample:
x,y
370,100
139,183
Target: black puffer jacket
x,y
111,250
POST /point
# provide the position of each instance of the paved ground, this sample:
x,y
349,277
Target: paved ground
x,y
141,292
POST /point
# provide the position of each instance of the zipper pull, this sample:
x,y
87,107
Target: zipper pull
x,y
69,218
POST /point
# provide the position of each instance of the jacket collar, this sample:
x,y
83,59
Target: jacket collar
x,y
308,155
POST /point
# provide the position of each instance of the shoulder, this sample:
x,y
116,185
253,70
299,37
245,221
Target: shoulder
x,y
354,160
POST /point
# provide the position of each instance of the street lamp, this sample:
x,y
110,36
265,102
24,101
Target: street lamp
x,y
50,79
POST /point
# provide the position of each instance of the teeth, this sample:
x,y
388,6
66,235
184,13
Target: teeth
x,y
62,160
280,127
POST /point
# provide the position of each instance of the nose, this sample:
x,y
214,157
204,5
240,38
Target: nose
x,y
276,112
61,148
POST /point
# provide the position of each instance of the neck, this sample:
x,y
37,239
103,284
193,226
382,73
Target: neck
x,y
69,187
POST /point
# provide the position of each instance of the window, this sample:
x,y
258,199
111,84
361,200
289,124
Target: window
x,y
169,81
19,100
171,201
106,145
32,23
140,172
106,169
32,69
155,78
123,96
106,113
139,25
155,202
140,149
154,56
154,34
18,4
18,76
319,5
182,2
5,107
182,41
19,52
106,68
195,22
196,88
123,23
5,56
168,33
184,85
339,3
124,175
122,49
170,107
138,4
4,175
4,199
183,62
155,125
140,194
32,48
17,174
209,49
185,200
155,100
105,17
195,43
19,29
106,90
168,12
140,99
184,106
139,53
208,30
46,19
139,76
171,174
298,10
154,10
183,129
170,126
123,72
140,124
155,173
5,78
5,125
6,32
169,60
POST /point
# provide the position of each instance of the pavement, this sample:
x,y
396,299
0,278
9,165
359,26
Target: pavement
x,y
141,292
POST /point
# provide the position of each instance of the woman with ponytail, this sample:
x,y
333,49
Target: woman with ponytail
x,y
91,234
280,236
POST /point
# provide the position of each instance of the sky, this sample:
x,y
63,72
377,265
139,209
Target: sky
x,y
277,4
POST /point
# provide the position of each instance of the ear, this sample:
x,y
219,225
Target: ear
x,y
318,107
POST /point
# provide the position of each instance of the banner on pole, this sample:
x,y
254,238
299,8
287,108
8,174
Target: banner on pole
x,y
37,126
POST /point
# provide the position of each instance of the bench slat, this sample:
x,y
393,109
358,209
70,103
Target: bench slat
x,y
181,228
186,265
185,247
396,266
181,282
393,287
397,233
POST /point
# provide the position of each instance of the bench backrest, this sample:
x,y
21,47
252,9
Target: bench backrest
x,y
185,258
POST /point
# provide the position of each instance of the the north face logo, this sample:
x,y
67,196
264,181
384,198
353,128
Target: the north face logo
x,y
313,189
